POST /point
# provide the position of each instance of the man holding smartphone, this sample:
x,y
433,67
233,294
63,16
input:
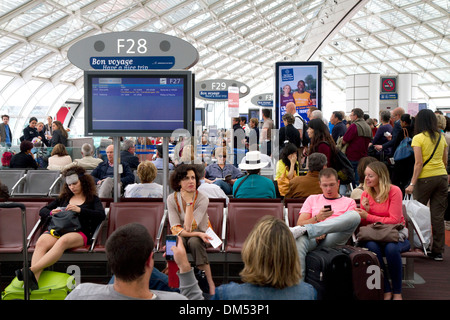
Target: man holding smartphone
x,y
325,220
129,251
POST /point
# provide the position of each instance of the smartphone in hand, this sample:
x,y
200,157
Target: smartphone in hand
x,y
171,241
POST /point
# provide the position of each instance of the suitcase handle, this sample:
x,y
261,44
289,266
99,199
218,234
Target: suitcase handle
x,y
12,205
8,205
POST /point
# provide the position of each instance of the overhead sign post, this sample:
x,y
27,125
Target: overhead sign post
x,y
217,89
133,51
264,100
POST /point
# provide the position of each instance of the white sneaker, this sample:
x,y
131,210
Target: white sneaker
x,y
298,231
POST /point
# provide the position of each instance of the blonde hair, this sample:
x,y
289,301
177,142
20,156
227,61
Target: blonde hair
x,y
441,121
188,154
384,181
255,121
147,171
270,255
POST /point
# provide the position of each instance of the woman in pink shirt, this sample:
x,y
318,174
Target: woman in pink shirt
x,y
382,202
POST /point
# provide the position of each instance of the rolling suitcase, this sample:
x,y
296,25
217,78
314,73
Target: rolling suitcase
x,y
367,276
328,270
52,286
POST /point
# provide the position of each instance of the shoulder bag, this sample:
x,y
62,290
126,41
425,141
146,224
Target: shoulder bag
x,y
64,222
380,232
404,149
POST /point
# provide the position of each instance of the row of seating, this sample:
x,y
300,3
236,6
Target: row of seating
x,y
43,183
231,223
33,183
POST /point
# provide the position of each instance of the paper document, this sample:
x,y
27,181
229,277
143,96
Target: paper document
x,y
215,242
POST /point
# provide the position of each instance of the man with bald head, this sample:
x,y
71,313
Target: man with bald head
x,y
298,124
104,175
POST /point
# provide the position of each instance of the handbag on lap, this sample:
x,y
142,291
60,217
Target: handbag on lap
x,y
64,222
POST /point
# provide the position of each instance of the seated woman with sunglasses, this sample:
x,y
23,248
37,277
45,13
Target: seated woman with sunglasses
x,y
78,194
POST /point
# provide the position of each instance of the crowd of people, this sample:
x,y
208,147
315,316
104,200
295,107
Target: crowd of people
x,y
307,169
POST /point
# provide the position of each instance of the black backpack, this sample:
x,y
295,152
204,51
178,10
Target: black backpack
x,y
343,166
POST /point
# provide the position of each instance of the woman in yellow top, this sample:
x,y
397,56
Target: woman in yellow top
x,y
287,168
429,181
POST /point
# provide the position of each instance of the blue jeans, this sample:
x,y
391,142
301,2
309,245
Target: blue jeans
x,y
225,186
338,230
392,251
355,168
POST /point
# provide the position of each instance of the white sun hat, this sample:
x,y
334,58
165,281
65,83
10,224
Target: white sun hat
x,y
252,161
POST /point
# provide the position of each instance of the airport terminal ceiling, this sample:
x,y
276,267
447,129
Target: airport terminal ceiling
x,y
239,40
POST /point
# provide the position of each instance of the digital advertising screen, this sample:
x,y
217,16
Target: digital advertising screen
x,y
298,82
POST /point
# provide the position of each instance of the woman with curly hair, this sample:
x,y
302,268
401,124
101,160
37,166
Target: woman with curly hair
x,y
78,194
188,216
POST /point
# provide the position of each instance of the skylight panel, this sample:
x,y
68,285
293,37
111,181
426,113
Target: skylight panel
x,y
378,6
196,21
412,50
441,26
51,66
75,5
22,58
106,11
443,75
396,18
33,20
419,32
72,75
6,43
423,11
181,13
8,6
163,6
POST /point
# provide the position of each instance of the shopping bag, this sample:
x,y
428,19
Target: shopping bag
x,y
422,216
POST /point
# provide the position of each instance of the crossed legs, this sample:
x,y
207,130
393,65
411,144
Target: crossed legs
x,y
338,230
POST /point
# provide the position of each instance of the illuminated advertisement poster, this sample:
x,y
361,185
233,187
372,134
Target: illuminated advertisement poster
x,y
299,83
